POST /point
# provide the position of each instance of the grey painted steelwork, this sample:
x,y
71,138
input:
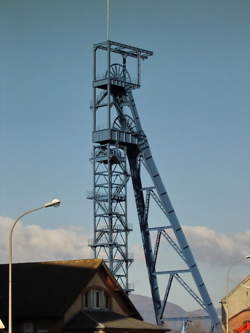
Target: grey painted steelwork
x,y
110,210
122,132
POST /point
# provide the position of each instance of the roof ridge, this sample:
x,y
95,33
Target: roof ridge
x,y
72,260
97,260
242,282
62,280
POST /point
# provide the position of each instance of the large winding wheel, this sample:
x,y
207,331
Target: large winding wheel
x,y
118,72
128,126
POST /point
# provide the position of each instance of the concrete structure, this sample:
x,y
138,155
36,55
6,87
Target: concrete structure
x,y
69,296
236,306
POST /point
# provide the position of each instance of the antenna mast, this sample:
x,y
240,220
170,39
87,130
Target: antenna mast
x,y
108,19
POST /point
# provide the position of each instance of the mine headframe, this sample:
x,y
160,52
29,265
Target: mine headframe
x,y
119,140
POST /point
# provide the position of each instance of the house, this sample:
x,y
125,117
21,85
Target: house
x,y
69,296
236,307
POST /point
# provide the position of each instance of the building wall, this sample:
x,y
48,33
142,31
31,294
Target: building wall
x,y
239,299
96,281
238,320
54,326
115,306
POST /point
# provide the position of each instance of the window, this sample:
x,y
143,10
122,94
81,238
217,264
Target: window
x,y
96,299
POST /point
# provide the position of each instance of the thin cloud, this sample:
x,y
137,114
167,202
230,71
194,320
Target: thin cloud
x,y
34,243
210,247
218,248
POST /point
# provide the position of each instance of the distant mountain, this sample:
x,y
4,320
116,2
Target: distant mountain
x,y
145,307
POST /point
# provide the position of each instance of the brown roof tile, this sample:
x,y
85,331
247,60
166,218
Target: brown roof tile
x,y
108,319
47,289
54,285
81,321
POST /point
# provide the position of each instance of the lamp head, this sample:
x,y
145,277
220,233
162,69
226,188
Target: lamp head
x,y
53,203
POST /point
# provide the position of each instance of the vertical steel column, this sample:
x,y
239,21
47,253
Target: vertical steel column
x,y
108,84
127,262
94,201
138,69
94,91
146,239
110,210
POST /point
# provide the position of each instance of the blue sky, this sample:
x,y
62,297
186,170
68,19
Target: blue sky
x,y
194,106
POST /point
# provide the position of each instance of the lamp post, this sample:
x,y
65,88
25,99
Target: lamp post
x,y
53,203
228,273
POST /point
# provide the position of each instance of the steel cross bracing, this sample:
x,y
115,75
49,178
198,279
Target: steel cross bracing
x,y
110,210
182,248
123,132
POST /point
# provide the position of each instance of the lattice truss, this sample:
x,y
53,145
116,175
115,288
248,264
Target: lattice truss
x,y
118,131
110,210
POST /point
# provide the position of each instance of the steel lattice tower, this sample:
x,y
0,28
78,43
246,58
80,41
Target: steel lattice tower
x,y
110,209
118,137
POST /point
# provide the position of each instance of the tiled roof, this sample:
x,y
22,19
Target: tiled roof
x,y
108,319
81,321
54,285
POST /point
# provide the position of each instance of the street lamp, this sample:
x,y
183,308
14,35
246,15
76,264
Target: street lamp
x,y
53,203
228,273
